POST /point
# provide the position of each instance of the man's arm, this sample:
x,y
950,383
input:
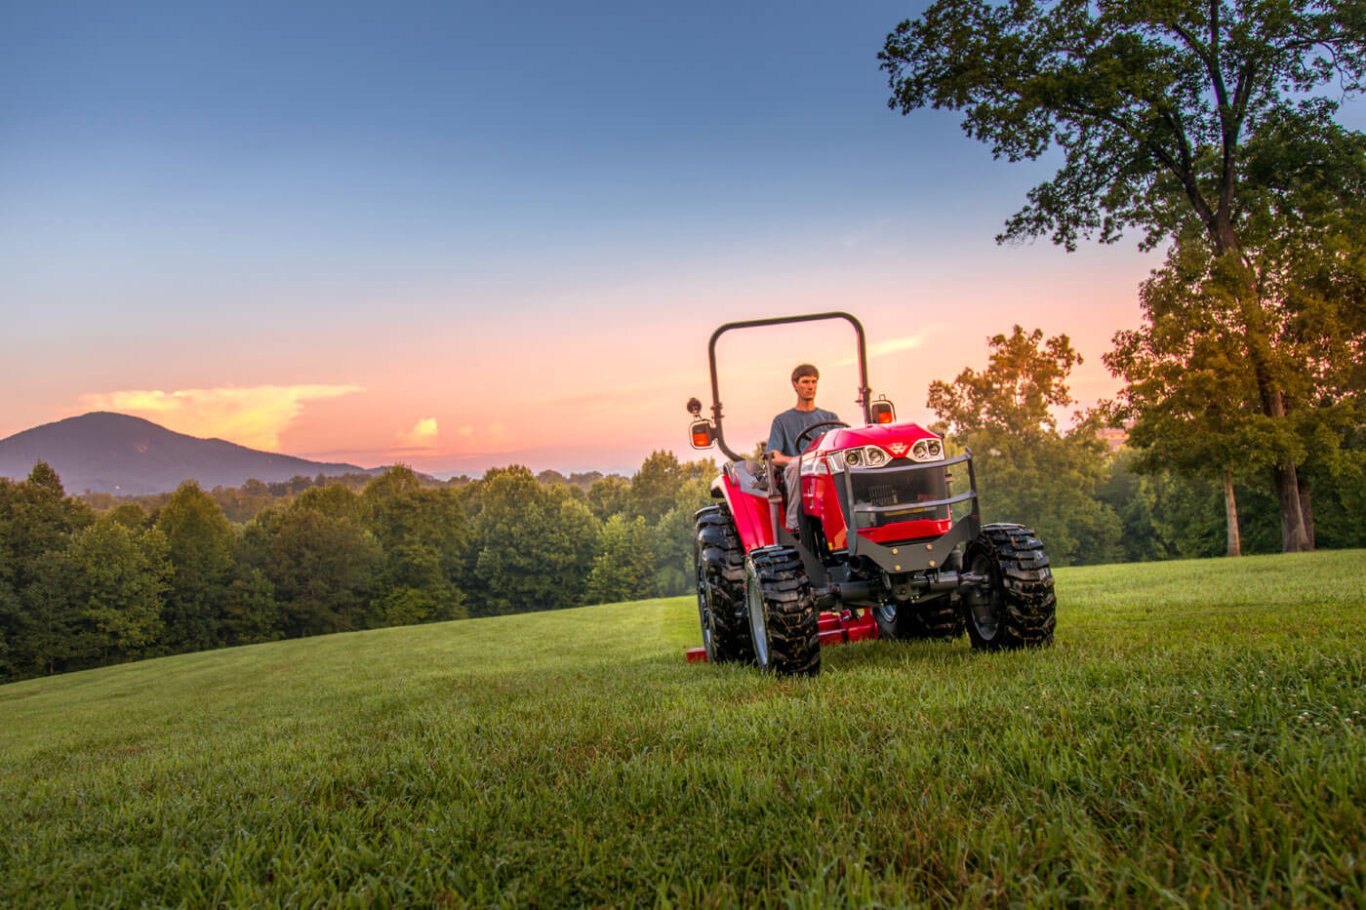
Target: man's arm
x,y
775,442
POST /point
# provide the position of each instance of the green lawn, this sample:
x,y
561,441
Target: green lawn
x,y
1194,737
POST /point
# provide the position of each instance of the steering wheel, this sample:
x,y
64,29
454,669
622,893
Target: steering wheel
x,y
816,426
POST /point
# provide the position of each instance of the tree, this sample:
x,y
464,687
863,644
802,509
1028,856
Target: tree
x,y
674,537
425,535
610,495
201,544
323,570
117,576
625,565
250,613
1166,112
1190,397
37,521
1026,470
535,544
655,485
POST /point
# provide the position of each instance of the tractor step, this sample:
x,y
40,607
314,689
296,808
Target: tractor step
x,y
835,629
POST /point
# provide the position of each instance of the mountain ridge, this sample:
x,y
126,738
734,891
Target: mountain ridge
x,y
107,452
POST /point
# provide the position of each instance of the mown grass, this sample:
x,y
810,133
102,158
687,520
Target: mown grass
x,y
1193,738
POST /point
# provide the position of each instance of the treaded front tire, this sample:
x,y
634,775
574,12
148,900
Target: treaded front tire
x,y
720,570
1015,607
783,620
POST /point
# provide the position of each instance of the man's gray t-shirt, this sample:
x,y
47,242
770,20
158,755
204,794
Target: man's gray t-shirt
x,y
787,426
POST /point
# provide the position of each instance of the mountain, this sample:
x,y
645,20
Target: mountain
x,y
129,456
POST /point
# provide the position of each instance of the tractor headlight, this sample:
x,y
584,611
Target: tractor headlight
x,y
862,457
927,450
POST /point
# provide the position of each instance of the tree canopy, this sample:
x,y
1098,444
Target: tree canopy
x,y
1150,101
1207,125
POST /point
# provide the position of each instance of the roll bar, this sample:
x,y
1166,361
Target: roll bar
x,y
864,393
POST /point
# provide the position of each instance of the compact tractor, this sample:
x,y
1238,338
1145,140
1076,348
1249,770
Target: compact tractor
x,y
884,547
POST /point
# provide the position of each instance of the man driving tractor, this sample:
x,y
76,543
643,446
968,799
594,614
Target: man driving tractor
x,y
788,426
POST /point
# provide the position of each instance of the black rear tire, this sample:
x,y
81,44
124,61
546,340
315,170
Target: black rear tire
x,y
1015,607
720,571
783,620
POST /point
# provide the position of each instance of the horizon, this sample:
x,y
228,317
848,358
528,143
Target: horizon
x,y
374,237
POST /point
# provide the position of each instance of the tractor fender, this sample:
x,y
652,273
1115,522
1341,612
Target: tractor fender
x,y
752,522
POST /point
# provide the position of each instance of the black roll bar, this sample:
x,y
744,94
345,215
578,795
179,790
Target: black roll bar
x,y
864,393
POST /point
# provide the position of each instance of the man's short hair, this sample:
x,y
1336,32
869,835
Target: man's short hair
x,y
805,369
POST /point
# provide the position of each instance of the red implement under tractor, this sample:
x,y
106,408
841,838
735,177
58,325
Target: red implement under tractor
x,y
884,547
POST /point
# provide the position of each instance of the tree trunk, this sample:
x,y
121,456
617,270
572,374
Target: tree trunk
x,y
1235,543
1307,510
1294,535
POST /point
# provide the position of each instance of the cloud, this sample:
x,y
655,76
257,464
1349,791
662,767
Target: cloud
x,y
890,346
252,417
421,436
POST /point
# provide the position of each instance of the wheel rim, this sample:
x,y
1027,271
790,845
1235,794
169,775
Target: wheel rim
x,y
758,625
984,609
704,611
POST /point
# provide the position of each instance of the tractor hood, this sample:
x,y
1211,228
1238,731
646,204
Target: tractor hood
x,y
895,439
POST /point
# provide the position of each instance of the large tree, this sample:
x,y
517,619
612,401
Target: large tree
x,y
1027,471
1153,104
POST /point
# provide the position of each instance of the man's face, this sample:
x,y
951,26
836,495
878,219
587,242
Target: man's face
x,y
806,388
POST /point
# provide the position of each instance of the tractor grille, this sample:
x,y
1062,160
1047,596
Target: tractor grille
x,y
899,487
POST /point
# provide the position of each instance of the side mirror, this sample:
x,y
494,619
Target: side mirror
x,y
702,433
882,410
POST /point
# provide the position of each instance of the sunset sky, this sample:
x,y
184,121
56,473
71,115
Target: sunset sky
x,y
461,234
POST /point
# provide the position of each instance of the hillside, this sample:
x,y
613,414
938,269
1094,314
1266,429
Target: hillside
x,y
104,452
1194,737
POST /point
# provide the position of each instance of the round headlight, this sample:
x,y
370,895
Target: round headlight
x,y
853,458
874,456
936,448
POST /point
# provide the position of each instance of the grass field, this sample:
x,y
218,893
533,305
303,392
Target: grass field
x,y
1195,737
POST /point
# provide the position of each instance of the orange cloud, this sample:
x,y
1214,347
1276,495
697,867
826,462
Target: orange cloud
x,y
252,417
422,435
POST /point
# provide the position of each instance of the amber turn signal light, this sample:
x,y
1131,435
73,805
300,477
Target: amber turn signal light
x,y
702,433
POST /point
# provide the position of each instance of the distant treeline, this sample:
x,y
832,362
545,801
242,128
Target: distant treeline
x,y
83,586
93,581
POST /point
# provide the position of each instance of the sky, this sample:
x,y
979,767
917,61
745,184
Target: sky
x,y
465,234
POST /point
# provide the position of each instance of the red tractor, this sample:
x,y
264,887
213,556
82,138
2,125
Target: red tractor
x,y
884,547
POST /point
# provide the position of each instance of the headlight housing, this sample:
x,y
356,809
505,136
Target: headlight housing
x,y
861,457
875,456
928,450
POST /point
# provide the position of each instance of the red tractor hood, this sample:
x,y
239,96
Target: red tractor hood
x,y
895,438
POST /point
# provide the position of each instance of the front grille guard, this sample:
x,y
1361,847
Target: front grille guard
x,y
918,555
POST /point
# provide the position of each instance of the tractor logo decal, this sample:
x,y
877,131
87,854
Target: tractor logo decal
x,y
898,448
